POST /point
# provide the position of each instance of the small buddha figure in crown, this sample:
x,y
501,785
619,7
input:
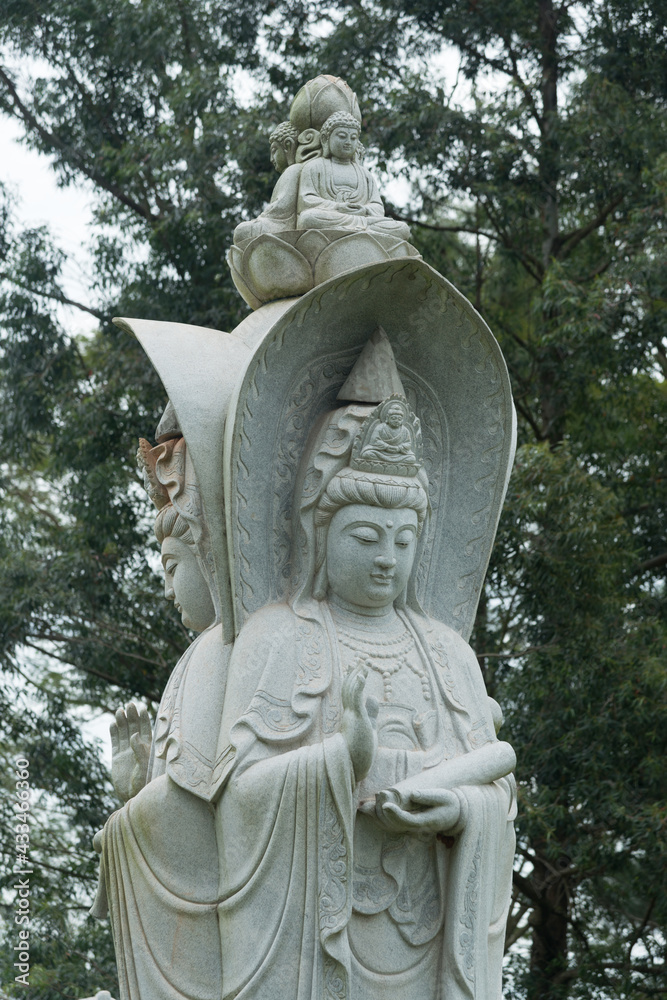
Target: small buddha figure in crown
x,y
336,191
390,439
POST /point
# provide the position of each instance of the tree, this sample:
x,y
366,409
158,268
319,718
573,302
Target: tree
x,y
541,194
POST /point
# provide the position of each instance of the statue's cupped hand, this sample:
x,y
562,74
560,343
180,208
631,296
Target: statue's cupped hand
x,y
437,811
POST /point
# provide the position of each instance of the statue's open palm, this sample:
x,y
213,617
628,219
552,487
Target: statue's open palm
x,y
130,750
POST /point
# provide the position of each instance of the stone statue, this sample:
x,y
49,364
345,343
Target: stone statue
x,y
365,822
324,810
158,872
280,214
326,215
336,191
389,438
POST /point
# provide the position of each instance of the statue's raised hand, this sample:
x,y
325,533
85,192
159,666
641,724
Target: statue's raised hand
x,y
358,728
130,749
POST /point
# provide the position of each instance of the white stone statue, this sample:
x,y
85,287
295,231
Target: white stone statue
x,y
337,192
365,823
158,869
326,215
327,812
280,213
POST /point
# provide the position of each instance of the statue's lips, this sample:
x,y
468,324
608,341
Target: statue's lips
x,y
382,577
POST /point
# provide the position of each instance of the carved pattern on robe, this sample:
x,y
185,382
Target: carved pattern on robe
x,y
332,889
309,652
276,715
469,915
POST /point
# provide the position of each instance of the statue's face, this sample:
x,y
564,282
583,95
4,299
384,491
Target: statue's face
x,y
343,142
184,584
370,552
278,157
395,416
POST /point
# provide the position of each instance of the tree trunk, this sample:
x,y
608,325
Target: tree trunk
x,y
548,957
550,150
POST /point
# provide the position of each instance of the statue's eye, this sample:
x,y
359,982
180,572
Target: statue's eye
x,y
170,566
365,535
403,541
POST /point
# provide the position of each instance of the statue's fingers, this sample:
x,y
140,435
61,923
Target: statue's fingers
x,y
132,718
434,797
372,707
346,691
358,691
425,821
145,726
121,722
113,732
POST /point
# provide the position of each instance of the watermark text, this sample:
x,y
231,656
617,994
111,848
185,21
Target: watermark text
x,y
22,870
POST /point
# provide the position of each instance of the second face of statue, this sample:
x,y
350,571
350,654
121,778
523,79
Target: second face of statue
x,y
184,584
370,553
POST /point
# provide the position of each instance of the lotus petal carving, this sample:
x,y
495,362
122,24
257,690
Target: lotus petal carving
x,y
287,264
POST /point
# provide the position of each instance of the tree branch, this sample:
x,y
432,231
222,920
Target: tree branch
x,y
49,139
525,886
655,563
527,416
393,214
502,67
55,296
566,242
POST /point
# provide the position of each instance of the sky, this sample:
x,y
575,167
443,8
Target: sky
x,y
67,211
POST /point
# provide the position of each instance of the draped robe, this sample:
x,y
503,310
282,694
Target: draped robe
x,y
301,903
159,866
280,213
321,199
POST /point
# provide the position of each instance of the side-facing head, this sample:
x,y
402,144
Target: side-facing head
x,y
170,482
284,141
340,137
184,582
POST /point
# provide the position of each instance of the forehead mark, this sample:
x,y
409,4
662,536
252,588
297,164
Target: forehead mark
x,y
390,524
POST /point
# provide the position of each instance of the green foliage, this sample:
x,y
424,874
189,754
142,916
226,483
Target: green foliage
x,y
538,187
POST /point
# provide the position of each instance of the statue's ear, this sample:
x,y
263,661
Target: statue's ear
x,y
289,145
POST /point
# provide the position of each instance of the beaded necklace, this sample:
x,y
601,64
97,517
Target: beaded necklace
x,y
384,654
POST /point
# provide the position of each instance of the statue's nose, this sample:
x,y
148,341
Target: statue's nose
x,y
385,561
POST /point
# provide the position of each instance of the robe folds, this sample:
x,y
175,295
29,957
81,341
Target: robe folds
x,y
317,900
159,865
280,214
320,200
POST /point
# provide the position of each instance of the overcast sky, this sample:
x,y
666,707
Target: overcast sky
x,y
66,211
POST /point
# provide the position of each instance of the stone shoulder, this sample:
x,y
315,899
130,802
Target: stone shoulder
x,y
268,622
448,636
